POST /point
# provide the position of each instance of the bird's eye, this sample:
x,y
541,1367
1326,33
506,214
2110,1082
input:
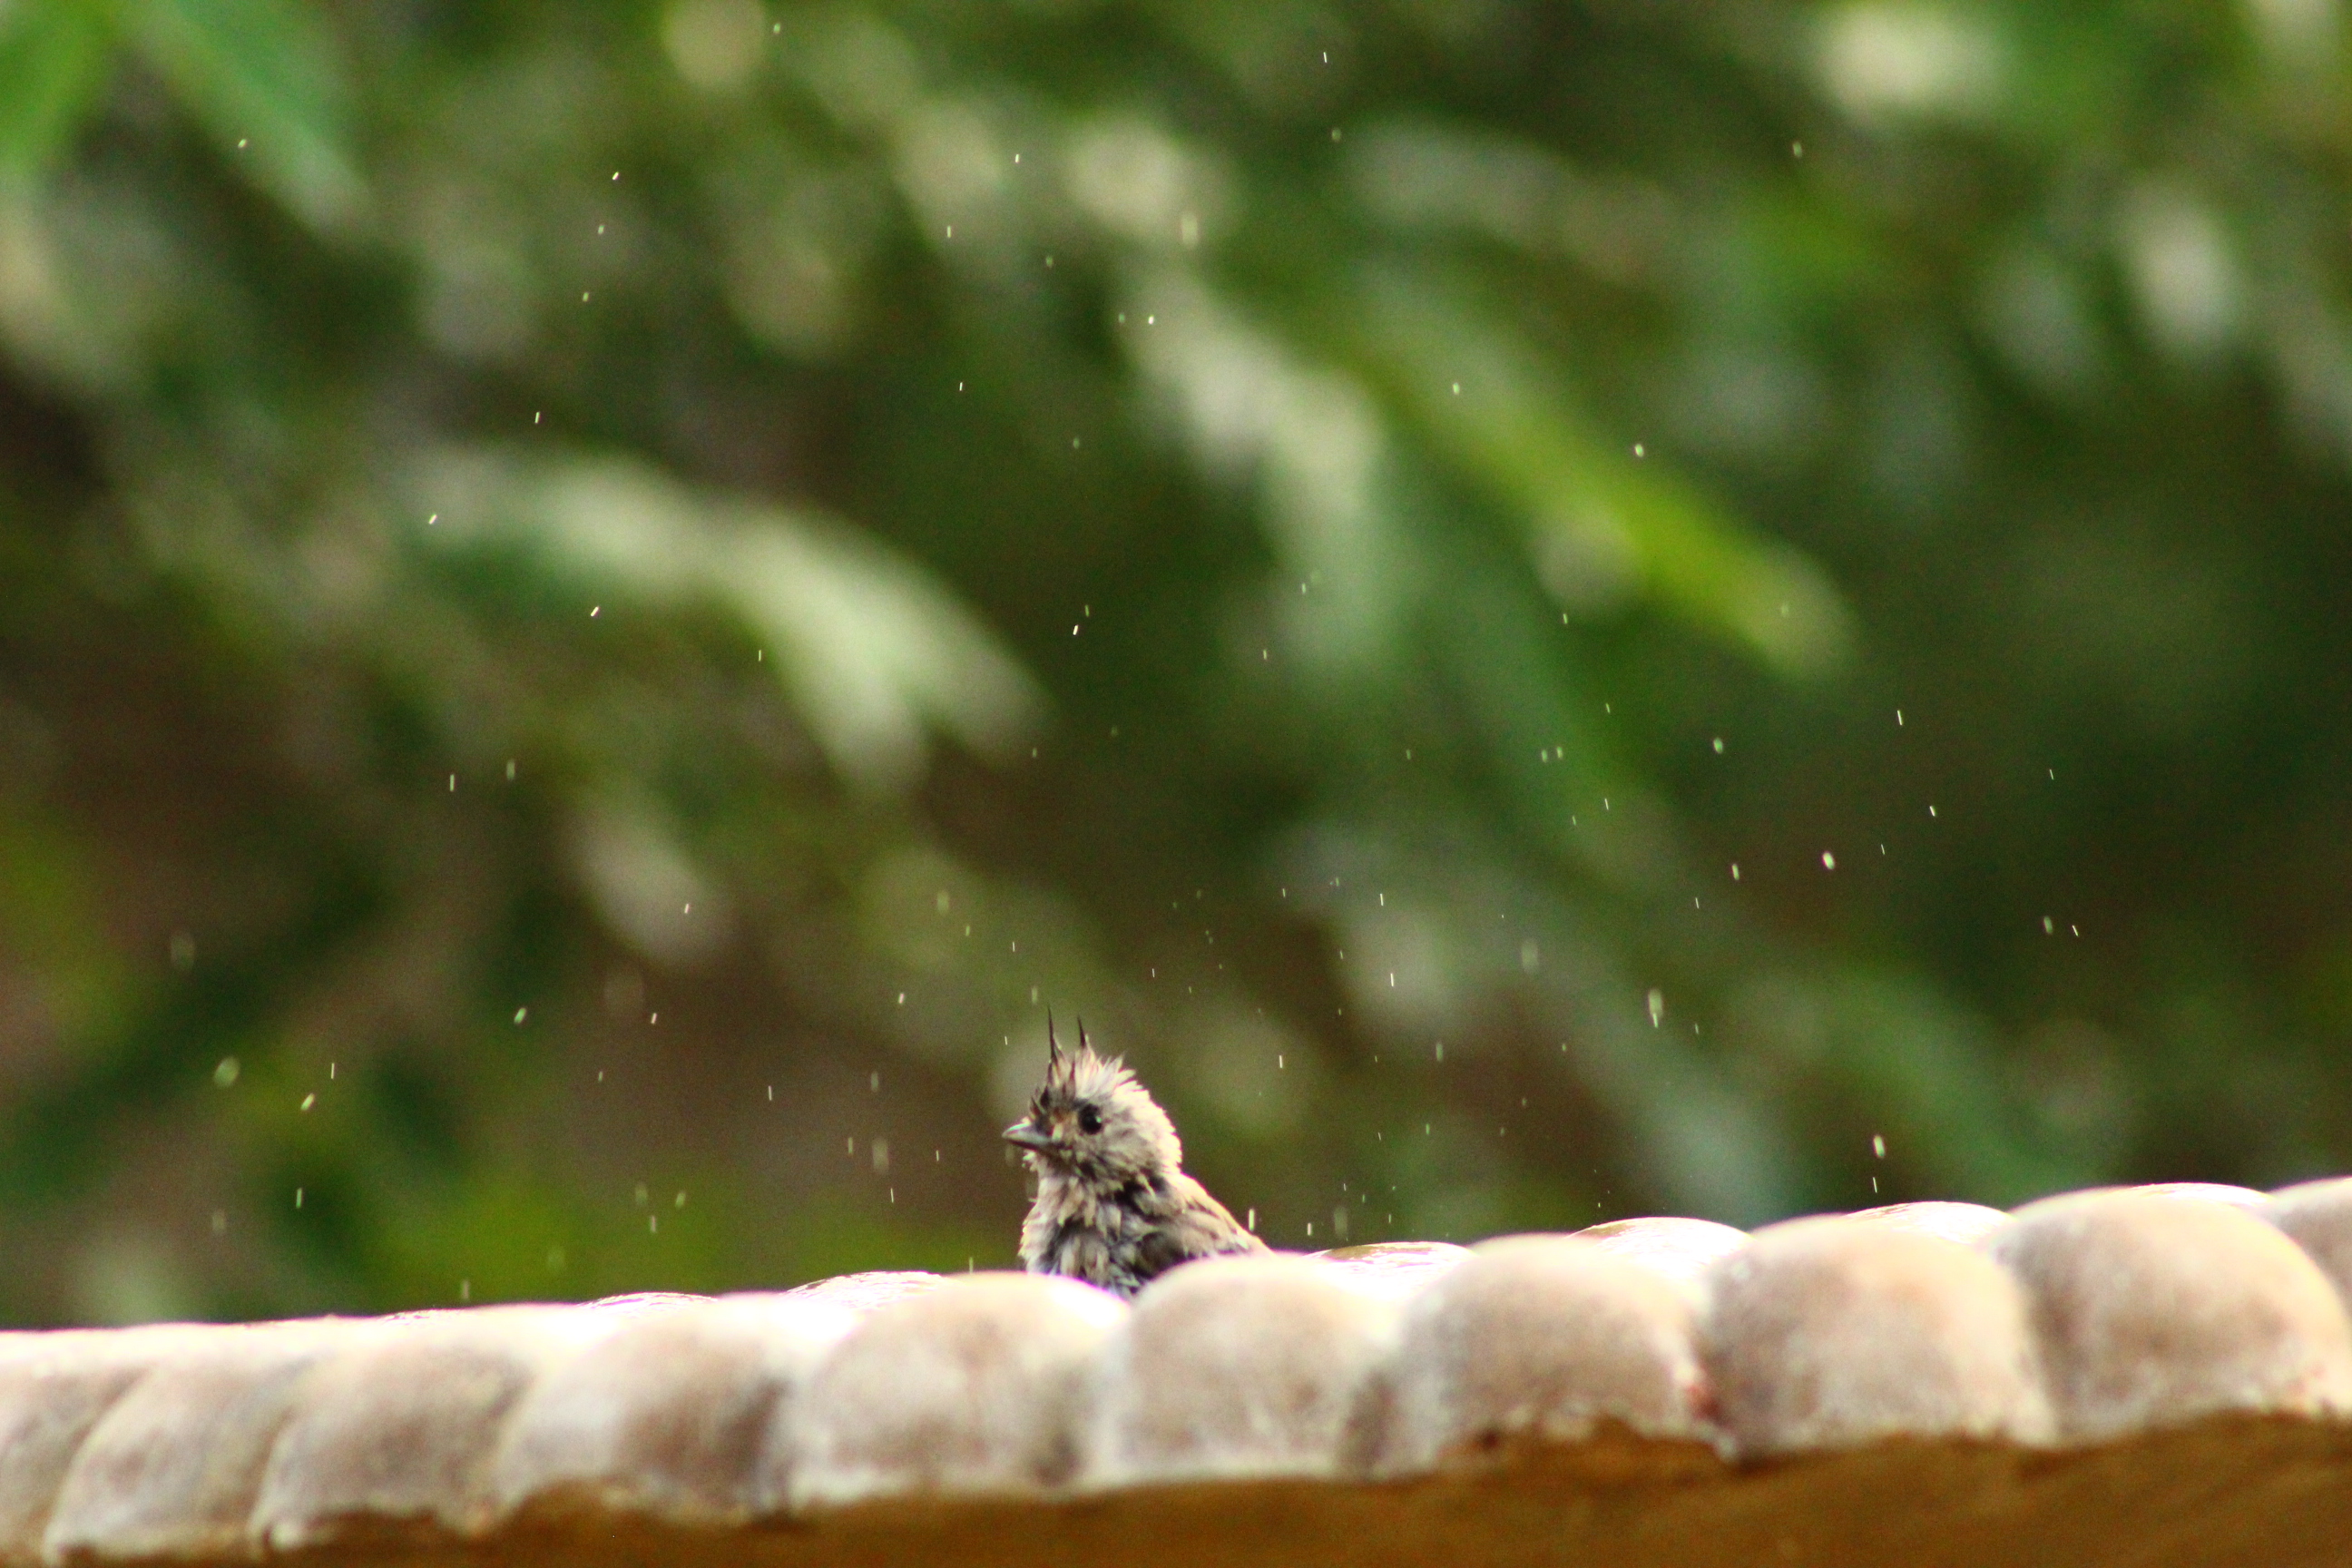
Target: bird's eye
x,y
1089,1120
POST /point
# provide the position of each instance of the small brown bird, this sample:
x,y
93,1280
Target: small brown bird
x,y
1114,1207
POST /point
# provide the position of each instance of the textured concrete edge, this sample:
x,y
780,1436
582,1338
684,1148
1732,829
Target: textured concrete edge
x,y
2231,1491
2077,1324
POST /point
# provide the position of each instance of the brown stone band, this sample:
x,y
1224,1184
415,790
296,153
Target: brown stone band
x,y
2153,1375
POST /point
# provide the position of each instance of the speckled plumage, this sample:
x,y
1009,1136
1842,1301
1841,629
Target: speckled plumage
x,y
1114,1207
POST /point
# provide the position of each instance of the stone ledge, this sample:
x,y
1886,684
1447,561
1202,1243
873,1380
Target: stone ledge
x,y
2159,1375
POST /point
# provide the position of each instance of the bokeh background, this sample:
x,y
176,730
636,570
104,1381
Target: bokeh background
x,y
1542,611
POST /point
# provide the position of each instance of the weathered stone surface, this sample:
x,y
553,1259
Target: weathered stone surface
x,y
974,1388
2201,1192
1683,1250
667,1416
1391,1270
869,1291
2150,1311
1534,1337
1234,1367
2317,1216
1875,1388
394,1434
1823,1333
53,1388
172,1470
1967,1224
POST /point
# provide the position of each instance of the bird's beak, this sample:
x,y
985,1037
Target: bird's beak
x,y
1028,1135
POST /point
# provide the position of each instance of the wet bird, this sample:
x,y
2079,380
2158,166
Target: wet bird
x,y
1114,1207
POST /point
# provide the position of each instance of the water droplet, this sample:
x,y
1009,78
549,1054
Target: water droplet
x,y
225,1074
1829,861
1658,1007
1878,1144
309,1100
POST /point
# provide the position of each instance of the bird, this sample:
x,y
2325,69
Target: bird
x,y
1114,1207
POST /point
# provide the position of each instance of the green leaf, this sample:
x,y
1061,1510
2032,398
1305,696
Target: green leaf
x,y
263,79
53,60
875,651
1603,523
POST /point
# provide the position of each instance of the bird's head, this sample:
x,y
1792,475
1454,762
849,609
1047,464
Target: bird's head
x,y
1090,1119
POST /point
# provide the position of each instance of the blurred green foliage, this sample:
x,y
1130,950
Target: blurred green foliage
x,y
1543,611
